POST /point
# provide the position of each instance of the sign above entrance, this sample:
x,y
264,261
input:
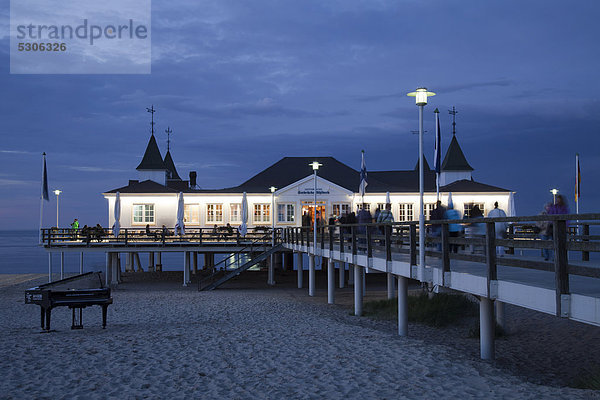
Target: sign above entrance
x,y
312,191
311,203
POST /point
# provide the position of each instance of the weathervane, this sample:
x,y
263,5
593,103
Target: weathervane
x,y
151,110
453,112
168,131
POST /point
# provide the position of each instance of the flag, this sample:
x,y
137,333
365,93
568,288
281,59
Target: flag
x,y
363,176
577,180
437,156
45,182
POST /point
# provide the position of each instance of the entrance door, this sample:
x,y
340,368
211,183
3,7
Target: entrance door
x,y
309,209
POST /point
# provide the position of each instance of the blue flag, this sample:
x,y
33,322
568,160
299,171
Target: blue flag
x,y
363,175
45,182
437,156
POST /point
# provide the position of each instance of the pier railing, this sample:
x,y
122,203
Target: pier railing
x,y
55,237
476,241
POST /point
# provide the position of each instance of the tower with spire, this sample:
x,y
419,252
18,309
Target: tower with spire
x,y
152,167
455,166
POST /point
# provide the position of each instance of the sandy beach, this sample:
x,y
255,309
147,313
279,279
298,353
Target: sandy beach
x,y
248,341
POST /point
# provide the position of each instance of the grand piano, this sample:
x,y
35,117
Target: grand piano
x,y
76,292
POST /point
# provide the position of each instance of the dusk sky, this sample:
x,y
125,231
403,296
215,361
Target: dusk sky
x,y
245,83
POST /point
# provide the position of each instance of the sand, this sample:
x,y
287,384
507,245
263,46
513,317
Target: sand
x,y
165,341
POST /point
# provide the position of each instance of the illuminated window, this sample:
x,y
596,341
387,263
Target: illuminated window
x,y
427,209
467,207
285,213
235,212
191,214
340,209
406,212
367,207
214,213
143,213
262,213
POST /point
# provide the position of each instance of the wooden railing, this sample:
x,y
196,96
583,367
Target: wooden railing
x,y
135,237
389,239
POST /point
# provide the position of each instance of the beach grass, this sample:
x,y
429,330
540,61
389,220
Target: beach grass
x,y
589,379
440,310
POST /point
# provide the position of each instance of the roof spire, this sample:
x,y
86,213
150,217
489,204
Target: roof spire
x,y
168,131
453,112
151,110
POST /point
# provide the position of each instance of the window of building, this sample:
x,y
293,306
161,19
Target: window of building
x,y
143,213
427,209
285,213
191,214
406,212
467,207
262,213
367,206
214,213
235,212
340,209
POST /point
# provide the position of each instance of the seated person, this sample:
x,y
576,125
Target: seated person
x,y
99,232
149,232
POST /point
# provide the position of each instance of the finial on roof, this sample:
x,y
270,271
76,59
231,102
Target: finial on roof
x,y
453,112
436,111
168,132
151,110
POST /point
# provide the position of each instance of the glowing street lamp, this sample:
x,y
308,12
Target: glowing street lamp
x,y
554,193
57,193
420,96
311,278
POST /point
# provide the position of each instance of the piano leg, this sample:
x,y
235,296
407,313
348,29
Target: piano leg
x,y
77,324
104,309
42,314
48,311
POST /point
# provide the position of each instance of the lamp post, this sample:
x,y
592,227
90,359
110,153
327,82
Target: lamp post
x,y
554,193
57,193
271,278
420,96
311,272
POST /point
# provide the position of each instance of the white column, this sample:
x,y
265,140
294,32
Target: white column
x,y
271,271
390,286
358,290
500,318
402,306
342,266
486,328
300,269
330,281
364,280
49,267
115,269
108,265
151,262
159,261
311,275
62,265
81,262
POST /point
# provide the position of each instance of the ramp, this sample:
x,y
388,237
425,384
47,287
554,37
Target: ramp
x,y
232,274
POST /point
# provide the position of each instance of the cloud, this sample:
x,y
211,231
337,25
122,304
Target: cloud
x,y
96,169
16,182
16,152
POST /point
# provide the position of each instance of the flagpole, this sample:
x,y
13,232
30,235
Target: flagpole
x,y
42,199
577,183
437,155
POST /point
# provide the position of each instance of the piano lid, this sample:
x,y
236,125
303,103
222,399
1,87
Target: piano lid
x,y
89,280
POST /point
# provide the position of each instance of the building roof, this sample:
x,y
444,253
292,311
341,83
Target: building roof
x,y
466,185
152,159
170,166
455,159
144,187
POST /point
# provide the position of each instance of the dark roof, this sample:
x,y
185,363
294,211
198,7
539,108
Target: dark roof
x,y
170,165
466,185
152,159
144,187
291,169
401,181
455,159
425,165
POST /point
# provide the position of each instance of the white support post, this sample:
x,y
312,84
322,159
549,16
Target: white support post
x,y
49,267
81,263
486,328
151,262
342,266
115,269
300,269
186,266
159,261
358,291
402,306
195,262
330,281
271,271
500,317
311,275
364,280
108,266
62,265
390,286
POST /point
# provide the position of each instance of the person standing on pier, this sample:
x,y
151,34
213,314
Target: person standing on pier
x,y
75,227
500,227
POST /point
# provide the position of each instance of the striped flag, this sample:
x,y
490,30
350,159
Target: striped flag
x,y
577,180
437,156
363,176
45,195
